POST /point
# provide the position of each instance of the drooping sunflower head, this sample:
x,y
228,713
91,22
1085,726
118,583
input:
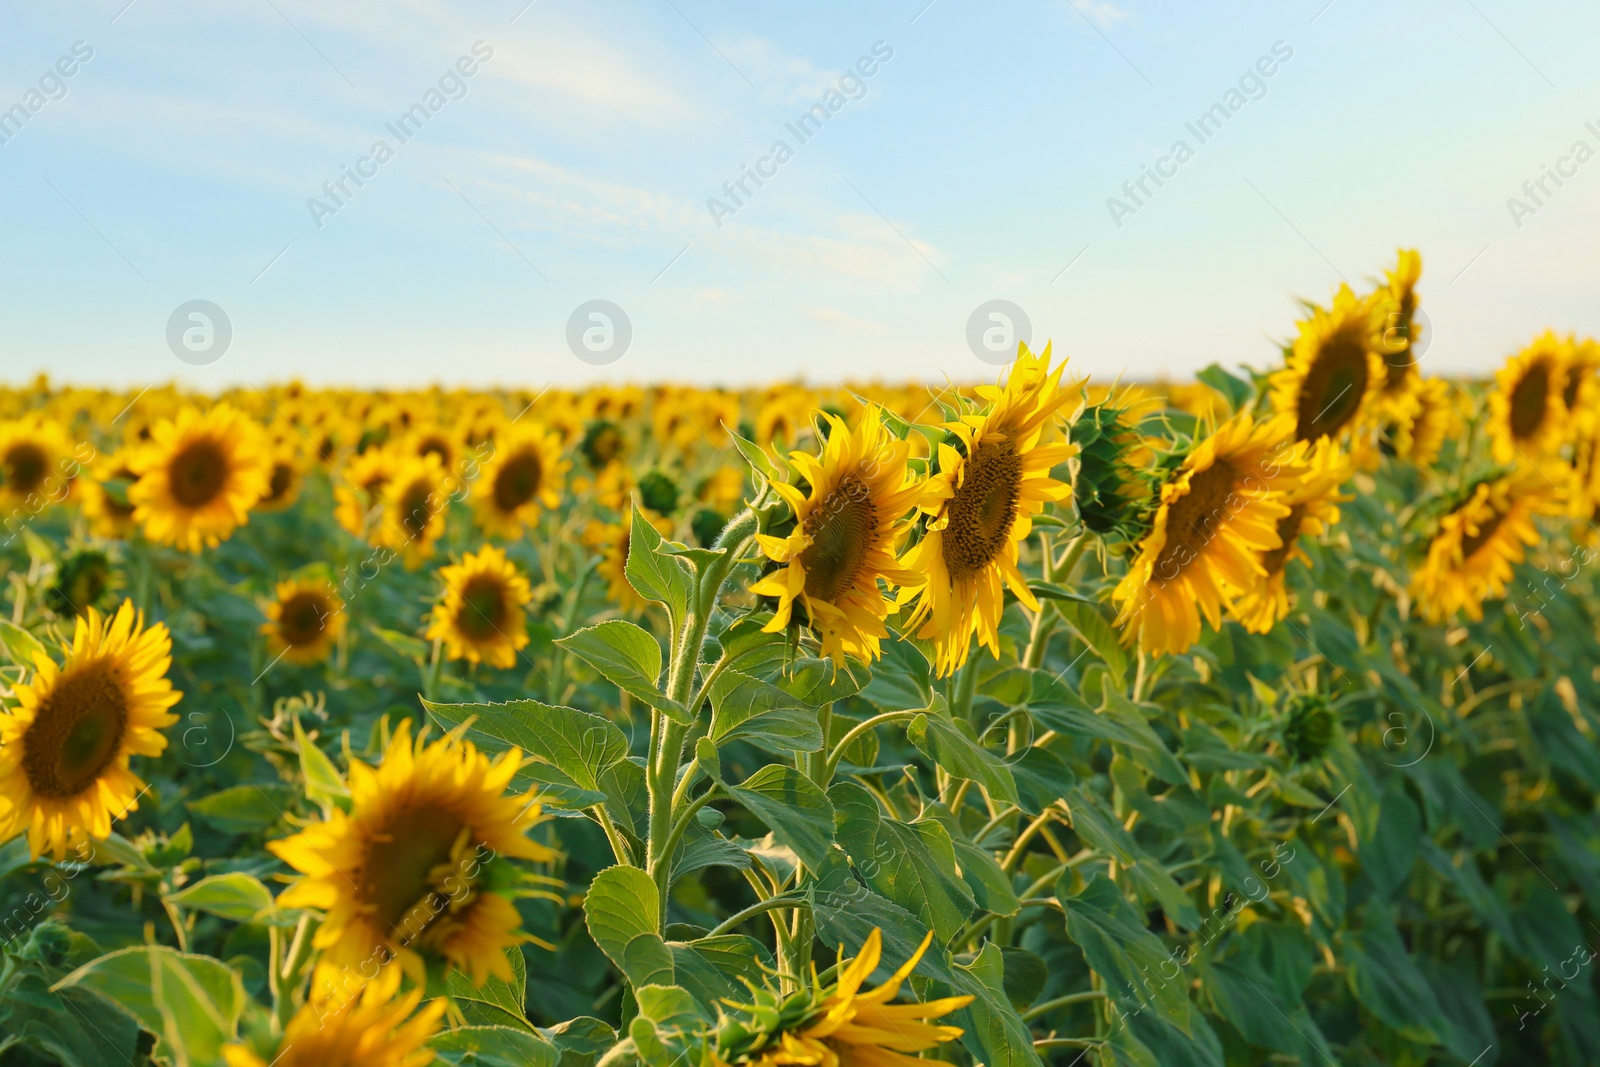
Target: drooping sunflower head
x,y
848,525
1478,541
415,503
839,1024
415,869
83,579
524,474
1313,507
373,1028
36,465
1218,514
1333,375
65,747
480,616
992,480
1398,332
199,477
1527,407
304,620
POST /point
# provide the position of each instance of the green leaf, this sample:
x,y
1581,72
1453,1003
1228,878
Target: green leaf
x,y
941,739
992,1030
711,968
244,809
1088,621
990,885
621,910
847,912
52,1022
324,784
583,746
1244,995
627,656
654,575
235,896
1026,975
19,644
742,706
495,1046
408,645
508,996
901,680
913,864
1387,858
190,1003
772,468
1132,961
815,682
1387,983
1100,828
582,1040
794,809
1151,753
1237,391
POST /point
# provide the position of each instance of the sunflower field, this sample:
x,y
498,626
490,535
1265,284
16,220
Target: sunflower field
x,y
1249,720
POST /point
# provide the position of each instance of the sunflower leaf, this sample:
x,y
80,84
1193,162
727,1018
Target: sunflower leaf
x,y
797,812
190,1003
629,657
770,717
235,896
621,910
941,739
19,644
655,575
495,1046
324,784
913,864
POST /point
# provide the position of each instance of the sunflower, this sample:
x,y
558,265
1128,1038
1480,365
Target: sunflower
x,y
524,474
415,503
1313,507
83,578
982,504
1476,545
412,869
65,746
305,621
841,1026
480,615
1219,513
376,1029
1527,412
1581,393
361,487
1333,375
287,474
35,463
1423,420
199,477
1394,308
105,497
847,530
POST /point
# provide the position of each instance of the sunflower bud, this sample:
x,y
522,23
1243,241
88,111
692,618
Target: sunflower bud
x,y
82,580
1113,495
658,492
1309,727
601,444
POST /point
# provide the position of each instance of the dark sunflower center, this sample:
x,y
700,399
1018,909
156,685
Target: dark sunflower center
x,y
1528,400
1331,394
281,482
1288,529
414,510
1486,530
843,529
1569,392
983,510
302,618
517,481
24,467
605,446
77,732
198,473
435,446
1194,518
483,608
394,878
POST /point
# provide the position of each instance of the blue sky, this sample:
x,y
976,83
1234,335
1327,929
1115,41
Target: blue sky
x,y
975,164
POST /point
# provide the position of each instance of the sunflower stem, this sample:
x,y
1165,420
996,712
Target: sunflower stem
x,y
785,900
832,765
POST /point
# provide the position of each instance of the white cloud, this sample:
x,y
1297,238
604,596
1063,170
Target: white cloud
x,y
842,321
1103,13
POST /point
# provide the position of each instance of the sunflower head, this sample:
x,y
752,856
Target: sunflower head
x,y
1480,539
1310,726
415,500
848,525
1397,331
840,1023
375,1028
82,580
523,476
305,619
1333,375
35,463
602,444
1527,407
199,477
994,476
415,870
65,747
658,492
480,616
